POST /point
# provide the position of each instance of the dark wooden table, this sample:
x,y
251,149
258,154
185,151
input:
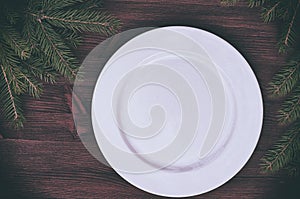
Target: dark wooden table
x,y
47,160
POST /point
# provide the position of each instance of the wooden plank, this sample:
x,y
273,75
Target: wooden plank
x,y
66,170
51,154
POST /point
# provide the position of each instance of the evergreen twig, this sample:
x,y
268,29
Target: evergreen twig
x,y
284,151
36,42
290,109
10,101
285,80
285,83
58,53
291,25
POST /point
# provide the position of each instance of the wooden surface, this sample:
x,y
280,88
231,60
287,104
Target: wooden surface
x,y
47,160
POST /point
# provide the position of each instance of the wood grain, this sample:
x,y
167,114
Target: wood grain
x,y
56,169
47,160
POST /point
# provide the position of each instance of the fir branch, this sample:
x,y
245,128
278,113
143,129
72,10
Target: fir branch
x,y
33,87
28,32
37,68
71,38
10,62
290,109
58,54
15,41
10,101
291,24
36,41
7,55
82,20
284,151
269,14
285,79
289,35
11,97
17,85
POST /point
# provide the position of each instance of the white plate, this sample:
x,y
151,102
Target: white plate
x,y
177,111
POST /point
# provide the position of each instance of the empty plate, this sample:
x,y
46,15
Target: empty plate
x,y
176,111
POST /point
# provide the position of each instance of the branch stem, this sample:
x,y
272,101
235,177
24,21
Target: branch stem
x,y
278,155
277,88
291,24
41,17
287,115
16,115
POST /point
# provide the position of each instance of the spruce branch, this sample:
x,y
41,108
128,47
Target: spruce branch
x,y
269,14
15,41
286,82
16,83
289,35
10,101
37,68
10,93
285,79
291,25
290,109
9,61
58,54
89,20
36,42
72,38
284,151
32,86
